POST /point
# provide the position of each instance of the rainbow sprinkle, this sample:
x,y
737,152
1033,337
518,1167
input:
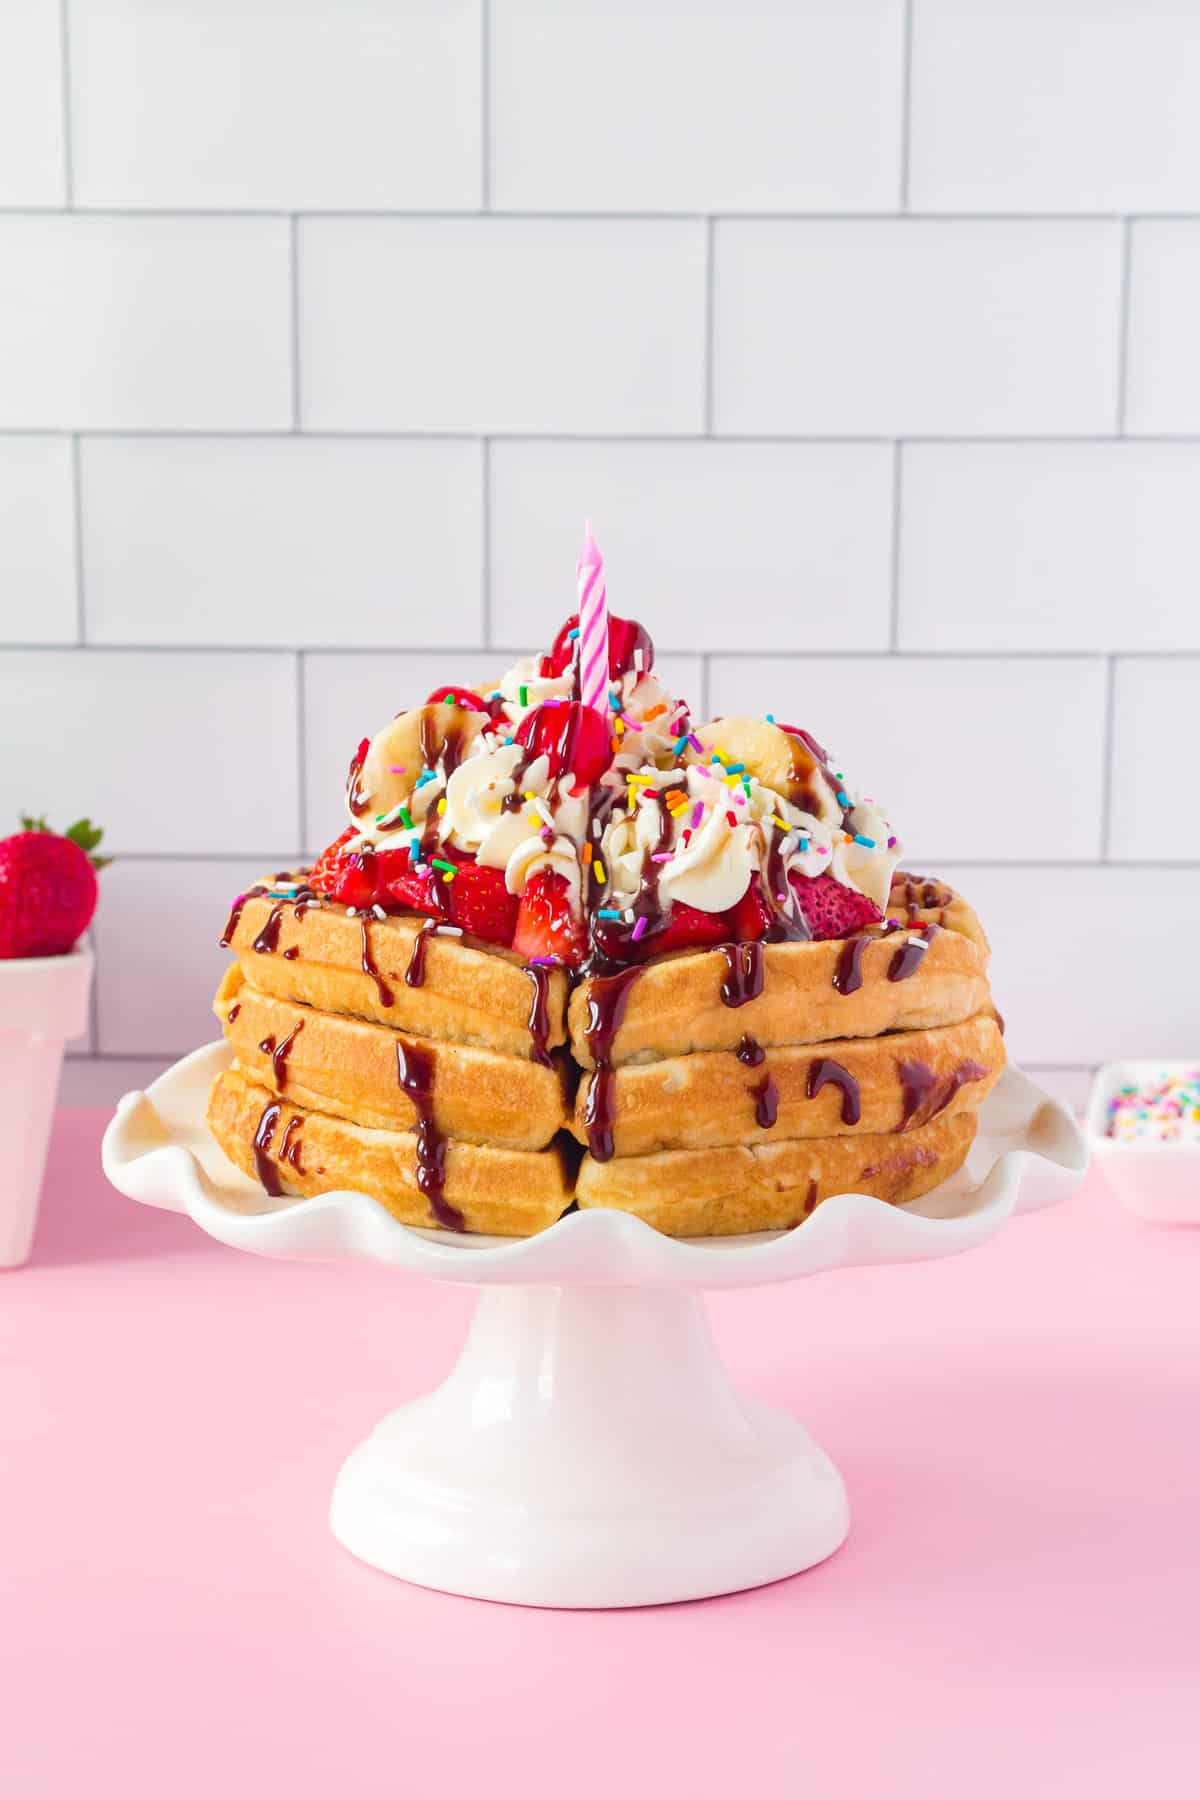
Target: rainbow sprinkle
x,y
1166,1111
639,929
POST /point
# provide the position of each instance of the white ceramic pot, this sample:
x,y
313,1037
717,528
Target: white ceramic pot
x,y
43,1003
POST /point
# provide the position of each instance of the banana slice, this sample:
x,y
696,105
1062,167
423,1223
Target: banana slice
x,y
414,740
781,762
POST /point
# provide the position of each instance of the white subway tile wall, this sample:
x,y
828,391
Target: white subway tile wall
x,y
865,334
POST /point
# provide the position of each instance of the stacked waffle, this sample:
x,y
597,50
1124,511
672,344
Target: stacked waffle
x,y
733,1090
685,947
383,1056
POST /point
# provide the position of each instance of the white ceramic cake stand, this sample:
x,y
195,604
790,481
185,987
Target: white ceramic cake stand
x,y
588,1448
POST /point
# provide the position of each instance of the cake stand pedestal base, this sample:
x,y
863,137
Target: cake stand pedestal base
x,y
588,1449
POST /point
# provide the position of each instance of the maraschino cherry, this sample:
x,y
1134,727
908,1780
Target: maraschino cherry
x,y
572,736
625,638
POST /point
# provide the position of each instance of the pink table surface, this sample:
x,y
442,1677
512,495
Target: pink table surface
x,y
1017,1609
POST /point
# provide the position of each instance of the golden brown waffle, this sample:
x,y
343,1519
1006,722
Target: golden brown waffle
x,y
352,1068
855,1085
511,1193
772,1186
810,993
741,1085
469,993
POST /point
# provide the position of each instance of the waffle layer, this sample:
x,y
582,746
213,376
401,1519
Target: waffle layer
x,y
509,1193
893,1083
807,993
353,1068
469,993
773,1186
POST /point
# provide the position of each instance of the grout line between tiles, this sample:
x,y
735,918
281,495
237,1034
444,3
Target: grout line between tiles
x,y
485,105
906,105
301,760
710,250
294,314
1106,775
486,544
77,531
894,597
664,439
587,215
731,653
1123,328
64,52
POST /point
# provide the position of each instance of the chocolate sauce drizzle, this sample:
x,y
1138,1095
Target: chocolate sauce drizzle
x,y
917,1081
268,938
847,974
539,1014
743,973
921,1097
289,1148
607,999
279,1054
911,955
766,1101
414,974
825,1071
386,996
749,1050
231,923
268,1120
414,1071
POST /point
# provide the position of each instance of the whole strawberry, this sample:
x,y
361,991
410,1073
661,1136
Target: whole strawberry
x,y
47,888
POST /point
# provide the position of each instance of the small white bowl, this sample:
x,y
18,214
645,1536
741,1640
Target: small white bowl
x,y
1156,1180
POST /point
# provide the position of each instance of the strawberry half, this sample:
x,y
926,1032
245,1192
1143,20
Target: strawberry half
x,y
832,909
474,898
750,919
547,924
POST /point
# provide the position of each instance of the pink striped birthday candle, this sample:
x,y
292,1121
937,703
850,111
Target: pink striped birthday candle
x,y
593,626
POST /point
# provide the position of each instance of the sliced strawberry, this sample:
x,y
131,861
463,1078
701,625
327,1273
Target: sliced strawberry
x,y
328,866
574,737
625,637
481,904
751,917
832,909
547,924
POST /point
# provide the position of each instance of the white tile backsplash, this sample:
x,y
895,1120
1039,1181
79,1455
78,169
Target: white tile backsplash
x,y
861,332
1163,373
960,750
1156,755
32,160
698,107
38,598
1051,546
127,323
750,546
1055,106
171,753
1082,966
502,324
288,540
242,103
905,327
158,960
